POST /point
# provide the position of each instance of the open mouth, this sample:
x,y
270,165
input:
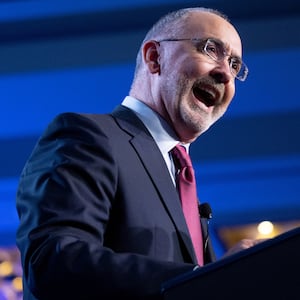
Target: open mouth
x,y
206,97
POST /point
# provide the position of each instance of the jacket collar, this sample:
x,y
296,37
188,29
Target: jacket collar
x,y
157,170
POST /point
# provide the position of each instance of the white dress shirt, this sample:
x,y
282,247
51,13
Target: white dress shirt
x,y
160,130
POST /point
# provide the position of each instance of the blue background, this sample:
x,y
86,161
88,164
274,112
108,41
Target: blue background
x,y
58,56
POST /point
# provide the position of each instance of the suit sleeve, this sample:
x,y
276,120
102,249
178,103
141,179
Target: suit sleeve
x,y
64,212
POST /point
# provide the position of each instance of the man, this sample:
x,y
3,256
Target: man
x,y
100,216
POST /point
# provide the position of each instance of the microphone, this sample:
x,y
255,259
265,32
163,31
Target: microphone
x,y
205,211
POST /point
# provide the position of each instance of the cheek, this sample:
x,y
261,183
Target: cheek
x,y
232,88
230,92
201,66
194,69
186,64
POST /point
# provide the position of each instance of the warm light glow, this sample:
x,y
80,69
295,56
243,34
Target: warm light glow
x,y
6,268
265,228
17,284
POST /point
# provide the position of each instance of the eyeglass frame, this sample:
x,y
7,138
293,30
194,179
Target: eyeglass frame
x,y
231,59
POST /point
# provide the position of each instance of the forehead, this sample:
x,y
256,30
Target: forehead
x,y
205,24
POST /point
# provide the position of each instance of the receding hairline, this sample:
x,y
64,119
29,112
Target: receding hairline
x,y
170,25
167,23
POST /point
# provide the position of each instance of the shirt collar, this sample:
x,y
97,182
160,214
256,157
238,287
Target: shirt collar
x,y
160,130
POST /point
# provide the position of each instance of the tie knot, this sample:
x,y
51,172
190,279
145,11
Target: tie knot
x,y
181,157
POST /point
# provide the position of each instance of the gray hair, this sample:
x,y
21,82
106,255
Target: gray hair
x,y
169,26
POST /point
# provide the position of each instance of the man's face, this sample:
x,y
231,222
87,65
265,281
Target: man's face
x,y
195,90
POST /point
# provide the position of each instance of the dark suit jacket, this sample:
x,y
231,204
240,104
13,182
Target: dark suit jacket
x,y
99,215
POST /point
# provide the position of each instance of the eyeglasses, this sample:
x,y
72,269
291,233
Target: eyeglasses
x,y
215,49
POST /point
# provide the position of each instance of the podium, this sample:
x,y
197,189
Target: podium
x,y
268,270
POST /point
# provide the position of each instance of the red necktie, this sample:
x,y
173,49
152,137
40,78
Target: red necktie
x,y
186,185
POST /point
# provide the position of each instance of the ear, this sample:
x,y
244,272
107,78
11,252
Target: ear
x,y
151,56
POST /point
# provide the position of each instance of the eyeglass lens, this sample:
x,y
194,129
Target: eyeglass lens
x,y
216,51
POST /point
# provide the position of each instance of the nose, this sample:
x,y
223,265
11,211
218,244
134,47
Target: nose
x,y
221,72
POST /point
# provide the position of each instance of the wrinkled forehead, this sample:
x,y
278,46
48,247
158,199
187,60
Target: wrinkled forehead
x,y
209,25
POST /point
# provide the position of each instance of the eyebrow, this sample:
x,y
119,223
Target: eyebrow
x,y
226,47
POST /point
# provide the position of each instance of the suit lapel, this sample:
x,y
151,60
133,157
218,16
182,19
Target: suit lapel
x,y
156,168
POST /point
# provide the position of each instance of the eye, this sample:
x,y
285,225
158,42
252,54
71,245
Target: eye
x,y
235,64
214,49
211,48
